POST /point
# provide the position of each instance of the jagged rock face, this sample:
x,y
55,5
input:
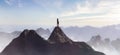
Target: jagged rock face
x,y
62,45
58,36
30,43
76,48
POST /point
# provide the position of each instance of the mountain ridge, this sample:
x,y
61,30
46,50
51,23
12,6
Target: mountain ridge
x,y
30,43
58,36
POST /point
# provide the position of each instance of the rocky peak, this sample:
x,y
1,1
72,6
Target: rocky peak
x,y
28,33
58,36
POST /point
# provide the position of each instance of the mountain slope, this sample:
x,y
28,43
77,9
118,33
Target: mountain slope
x,y
62,45
58,36
30,43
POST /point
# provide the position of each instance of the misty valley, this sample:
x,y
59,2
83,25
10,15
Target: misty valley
x,y
55,42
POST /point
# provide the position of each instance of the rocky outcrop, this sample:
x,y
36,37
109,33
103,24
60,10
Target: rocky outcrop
x,y
58,36
30,43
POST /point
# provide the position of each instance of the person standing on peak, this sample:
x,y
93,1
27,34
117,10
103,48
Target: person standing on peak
x,y
57,22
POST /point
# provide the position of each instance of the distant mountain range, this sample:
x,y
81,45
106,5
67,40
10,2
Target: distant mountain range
x,y
110,47
75,33
78,33
85,33
31,43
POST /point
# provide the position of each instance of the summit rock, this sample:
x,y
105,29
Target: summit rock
x,y
58,36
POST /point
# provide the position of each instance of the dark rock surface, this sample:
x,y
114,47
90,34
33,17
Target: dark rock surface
x,y
30,43
58,36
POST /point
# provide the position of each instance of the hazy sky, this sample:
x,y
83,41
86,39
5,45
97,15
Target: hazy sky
x,y
70,12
